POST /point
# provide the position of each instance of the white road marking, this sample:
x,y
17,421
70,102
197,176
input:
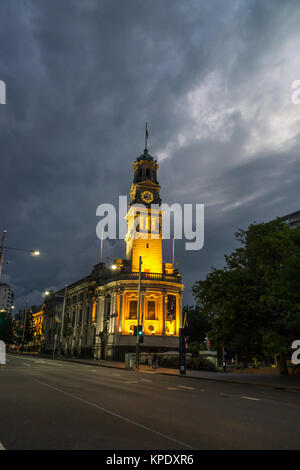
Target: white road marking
x,y
146,380
116,375
187,388
251,398
2,446
24,364
116,415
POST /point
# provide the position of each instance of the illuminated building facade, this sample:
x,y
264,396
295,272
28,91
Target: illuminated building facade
x,y
37,327
161,287
101,310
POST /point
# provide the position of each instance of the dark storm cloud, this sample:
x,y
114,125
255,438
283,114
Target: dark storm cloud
x,y
212,78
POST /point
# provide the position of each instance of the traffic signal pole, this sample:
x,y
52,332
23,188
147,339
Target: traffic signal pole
x,y
138,316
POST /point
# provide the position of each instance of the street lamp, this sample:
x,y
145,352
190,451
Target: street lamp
x,y
137,359
35,252
3,247
46,293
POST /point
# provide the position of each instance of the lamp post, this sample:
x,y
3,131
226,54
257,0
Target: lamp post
x,y
62,322
138,316
47,292
3,248
24,327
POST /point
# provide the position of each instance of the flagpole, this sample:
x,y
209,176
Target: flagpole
x,y
146,136
101,247
173,255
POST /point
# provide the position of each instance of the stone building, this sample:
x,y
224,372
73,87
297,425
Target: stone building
x,y
100,311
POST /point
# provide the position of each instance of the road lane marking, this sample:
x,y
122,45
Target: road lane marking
x,y
2,446
172,388
251,398
146,380
116,375
116,415
187,388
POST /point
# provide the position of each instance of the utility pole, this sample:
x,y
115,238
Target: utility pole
x,y
2,250
138,315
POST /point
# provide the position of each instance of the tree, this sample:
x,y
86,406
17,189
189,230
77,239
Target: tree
x,y
254,301
29,330
6,328
196,327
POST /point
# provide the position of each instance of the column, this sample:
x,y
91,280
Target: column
x,y
120,311
99,324
112,311
180,310
164,298
142,312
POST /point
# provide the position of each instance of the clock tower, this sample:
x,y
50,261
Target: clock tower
x,y
143,220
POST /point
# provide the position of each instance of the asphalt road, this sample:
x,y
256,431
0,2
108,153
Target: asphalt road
x,y
46,404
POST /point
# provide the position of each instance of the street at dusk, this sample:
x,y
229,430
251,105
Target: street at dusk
x,y
149,229
49,404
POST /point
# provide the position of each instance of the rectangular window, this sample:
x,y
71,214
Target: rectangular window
x,y
132,309
151,310
171,308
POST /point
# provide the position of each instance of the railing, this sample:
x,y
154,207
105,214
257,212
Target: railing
x,y
144,276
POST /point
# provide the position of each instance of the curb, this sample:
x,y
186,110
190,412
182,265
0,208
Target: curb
x,y
211,379
235,382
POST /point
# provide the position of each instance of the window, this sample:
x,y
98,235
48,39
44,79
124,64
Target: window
x,y
132,309
151,310
171,308
148,172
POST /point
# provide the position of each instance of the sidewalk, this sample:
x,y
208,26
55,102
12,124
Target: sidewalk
x,y
277,382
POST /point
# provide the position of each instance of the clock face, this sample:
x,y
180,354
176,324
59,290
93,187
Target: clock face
x,y
147,197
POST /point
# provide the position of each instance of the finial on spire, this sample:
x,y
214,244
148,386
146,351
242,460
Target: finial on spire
x,y
146,136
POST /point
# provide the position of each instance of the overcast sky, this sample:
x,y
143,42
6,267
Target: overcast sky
x,y
212,78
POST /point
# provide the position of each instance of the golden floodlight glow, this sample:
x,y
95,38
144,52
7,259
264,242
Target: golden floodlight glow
x,y
113,266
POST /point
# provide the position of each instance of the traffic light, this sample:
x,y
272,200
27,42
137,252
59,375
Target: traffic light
x,y
141,334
